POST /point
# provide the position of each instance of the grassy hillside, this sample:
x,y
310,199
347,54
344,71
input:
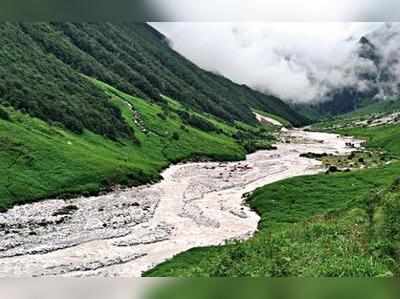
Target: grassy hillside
x,y
86,106
38,160
41,63
370,106
342,225
364,107
39,84
386,137
383,136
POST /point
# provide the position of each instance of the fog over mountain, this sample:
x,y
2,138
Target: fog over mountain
x,y
383,51
299,62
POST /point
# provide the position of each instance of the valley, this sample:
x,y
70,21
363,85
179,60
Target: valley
x,y
127,232
120,157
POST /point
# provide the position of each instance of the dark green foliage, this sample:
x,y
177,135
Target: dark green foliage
x,y
254,140
392,218
39,84
175,136
396,185
201,123
4,114
162,115
197,122
131,57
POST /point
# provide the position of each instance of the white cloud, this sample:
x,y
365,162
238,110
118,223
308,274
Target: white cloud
x,y
295,61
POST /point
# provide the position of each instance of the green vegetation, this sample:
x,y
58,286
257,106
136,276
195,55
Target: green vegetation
x,y
385,137
370,106
337,225
84,107
353,108
38,160
274,288
308,110
42,63
4,114
63,131
323,233
34,82
197,121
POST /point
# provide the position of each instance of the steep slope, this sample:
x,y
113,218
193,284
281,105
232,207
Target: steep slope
x,y
37,83
39,160
136,59
86,106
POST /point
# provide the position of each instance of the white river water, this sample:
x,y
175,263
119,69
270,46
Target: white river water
x,y
126,232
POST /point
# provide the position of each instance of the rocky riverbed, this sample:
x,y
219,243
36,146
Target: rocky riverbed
x,y
126,232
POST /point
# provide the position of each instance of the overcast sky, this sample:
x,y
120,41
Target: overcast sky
x,y
279,10
294,61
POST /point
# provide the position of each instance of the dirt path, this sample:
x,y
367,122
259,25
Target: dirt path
x,y
127,232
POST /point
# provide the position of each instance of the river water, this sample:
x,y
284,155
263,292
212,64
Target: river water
x,y
126,232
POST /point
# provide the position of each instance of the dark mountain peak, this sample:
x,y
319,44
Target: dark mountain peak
x,y
367,50
365,41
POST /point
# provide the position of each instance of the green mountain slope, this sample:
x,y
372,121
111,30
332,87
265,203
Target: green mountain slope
x,y
86,106
364,107
39,160
46,58
370,106
39,84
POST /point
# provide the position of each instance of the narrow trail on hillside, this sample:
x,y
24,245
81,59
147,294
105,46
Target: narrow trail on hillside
x,y
126,232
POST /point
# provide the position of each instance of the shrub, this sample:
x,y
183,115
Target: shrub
x,y
396,185
197,122
175,136
4,114
162,115
201,123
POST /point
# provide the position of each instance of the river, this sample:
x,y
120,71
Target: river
x,y
126,232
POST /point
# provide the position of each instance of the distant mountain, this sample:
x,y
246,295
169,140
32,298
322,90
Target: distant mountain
x,y
375,67
43,64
